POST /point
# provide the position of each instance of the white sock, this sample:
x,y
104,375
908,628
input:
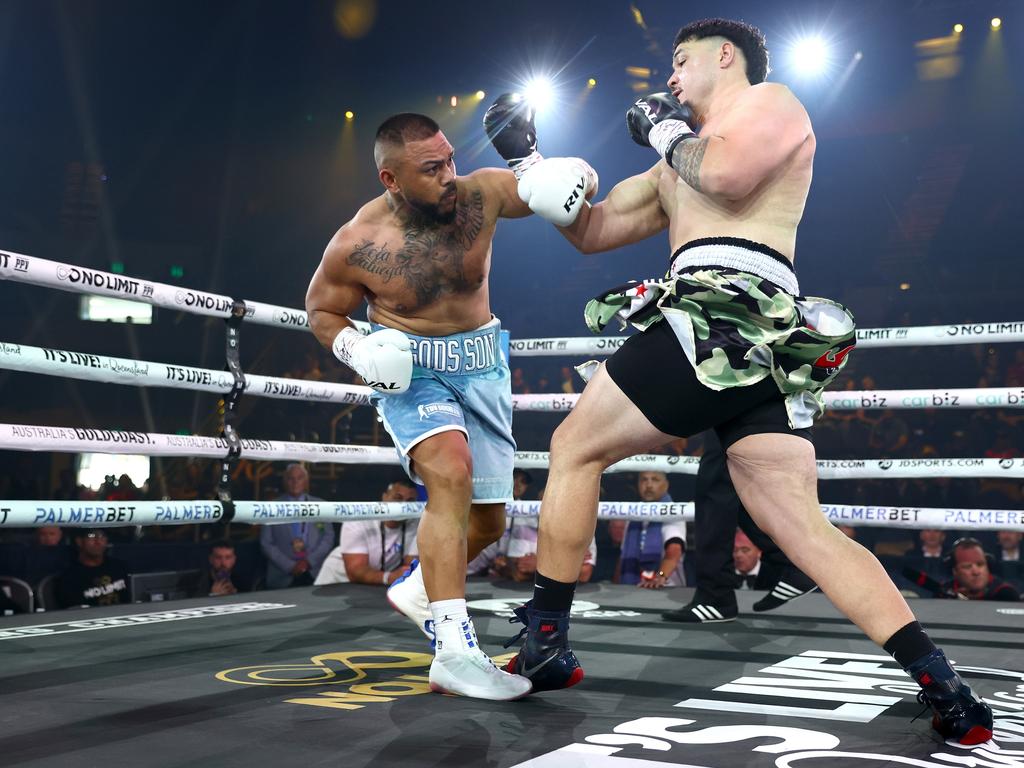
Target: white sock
x,y
453,629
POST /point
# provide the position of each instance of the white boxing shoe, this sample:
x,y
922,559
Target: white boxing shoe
x,y
472,673
408,596
460,667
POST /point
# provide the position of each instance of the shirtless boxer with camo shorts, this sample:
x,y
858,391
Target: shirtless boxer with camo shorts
x,y
726,342
419,254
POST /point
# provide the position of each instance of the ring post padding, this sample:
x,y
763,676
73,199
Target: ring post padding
x,y
231,400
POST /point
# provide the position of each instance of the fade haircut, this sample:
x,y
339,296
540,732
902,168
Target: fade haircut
x,y
746,37
399,129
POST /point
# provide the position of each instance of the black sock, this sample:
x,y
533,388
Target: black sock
x,y
552,596
909,644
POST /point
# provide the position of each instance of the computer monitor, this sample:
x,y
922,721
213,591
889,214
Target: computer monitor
x,y
164,585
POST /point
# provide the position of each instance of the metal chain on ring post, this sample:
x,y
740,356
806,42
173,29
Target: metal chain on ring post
x,y
229,429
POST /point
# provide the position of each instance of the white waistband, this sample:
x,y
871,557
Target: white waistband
x,y
741,259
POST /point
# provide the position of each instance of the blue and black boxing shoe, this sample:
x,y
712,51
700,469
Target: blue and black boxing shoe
x,y
545,658
957,714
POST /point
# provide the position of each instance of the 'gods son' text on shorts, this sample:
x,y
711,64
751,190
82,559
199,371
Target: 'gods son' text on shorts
x,y
462,353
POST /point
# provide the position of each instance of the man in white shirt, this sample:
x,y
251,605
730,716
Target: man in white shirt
x,y
371,551
514,555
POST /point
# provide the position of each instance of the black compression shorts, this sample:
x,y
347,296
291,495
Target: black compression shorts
x,y
653,372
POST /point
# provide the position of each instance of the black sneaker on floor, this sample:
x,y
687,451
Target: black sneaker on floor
x,y
702,612
790,586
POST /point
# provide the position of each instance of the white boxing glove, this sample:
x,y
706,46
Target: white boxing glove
x,y
383,359
556,188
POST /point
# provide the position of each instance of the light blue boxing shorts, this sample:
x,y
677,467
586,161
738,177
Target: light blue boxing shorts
x,y
459,382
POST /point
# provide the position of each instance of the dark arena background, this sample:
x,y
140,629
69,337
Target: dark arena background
x,y
172,173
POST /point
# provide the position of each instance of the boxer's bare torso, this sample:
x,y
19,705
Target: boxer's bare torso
x,y
418,276
749,178
769,214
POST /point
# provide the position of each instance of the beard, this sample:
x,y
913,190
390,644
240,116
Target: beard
x,y
433,213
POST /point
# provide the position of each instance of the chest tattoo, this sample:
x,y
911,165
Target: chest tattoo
x,y
430,259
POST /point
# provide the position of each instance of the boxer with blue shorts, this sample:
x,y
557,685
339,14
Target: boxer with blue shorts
x,y
419,255
459,382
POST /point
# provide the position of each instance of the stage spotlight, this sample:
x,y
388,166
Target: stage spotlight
x,y
958,28
997,23
540,93
591,82
810,56
454,101
481,94
349,114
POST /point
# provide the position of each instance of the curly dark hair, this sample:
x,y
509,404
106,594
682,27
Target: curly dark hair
x,y
746,37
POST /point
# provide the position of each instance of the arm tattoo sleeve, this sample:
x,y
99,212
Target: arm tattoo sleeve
x,y
687,158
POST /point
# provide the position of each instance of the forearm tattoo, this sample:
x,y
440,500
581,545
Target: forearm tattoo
x,y
687,158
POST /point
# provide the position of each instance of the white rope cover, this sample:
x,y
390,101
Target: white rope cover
x,y
76,440
119,370
27,514
67,277
19,267
890,399
27,437
867,338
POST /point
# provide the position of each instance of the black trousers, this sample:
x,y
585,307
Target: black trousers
x,y
718,514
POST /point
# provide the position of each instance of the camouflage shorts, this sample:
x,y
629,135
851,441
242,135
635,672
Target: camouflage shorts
x,y
737,328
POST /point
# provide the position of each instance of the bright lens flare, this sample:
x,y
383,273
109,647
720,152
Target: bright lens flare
x,y
540,93
810,56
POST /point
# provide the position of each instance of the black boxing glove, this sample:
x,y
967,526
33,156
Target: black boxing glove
x,y
508,123
661,122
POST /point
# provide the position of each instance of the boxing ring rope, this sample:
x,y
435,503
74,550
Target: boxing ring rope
x,y
86,366
867,338
119,370
27,514
846,400
26,437
33,270
19,437
67,277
